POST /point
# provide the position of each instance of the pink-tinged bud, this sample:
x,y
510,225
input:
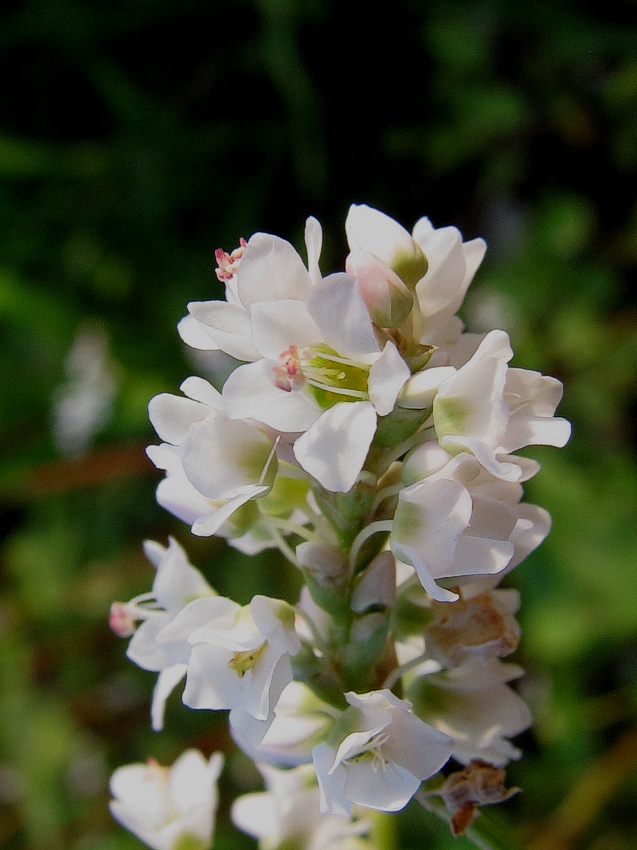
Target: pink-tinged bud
x,y
121,620
371,230
386,297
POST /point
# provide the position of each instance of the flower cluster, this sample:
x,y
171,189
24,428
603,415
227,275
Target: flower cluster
x,y
367,436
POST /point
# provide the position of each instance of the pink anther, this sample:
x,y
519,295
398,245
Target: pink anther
x,y
228,264
288,375
121,620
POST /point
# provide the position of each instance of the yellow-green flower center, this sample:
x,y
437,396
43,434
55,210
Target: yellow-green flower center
x,y
246,659
331,378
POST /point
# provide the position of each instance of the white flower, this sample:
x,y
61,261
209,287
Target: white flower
x,y
460,521
269,270
377,754
169,808
474,705
299,722
488,410
287,815
176,584
237,657
228,463
320,371
441,291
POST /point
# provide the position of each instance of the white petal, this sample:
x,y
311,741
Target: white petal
x,y
143,648
271,270
387,790
200,390
331,785
409,556
222,456
442,286
177,495
171,416
386,379
416,746
195,335
250,393
210,523
431,516
278,324
255,815
210,682
419,391
334,449
167,681
474,252
313,243
268,678
177,582
191,779
227,325
337,308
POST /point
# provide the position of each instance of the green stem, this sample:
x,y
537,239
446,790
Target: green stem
x,y
384,833
294,528
283,547
383,525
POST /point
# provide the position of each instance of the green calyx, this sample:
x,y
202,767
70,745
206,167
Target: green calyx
x,y
410,266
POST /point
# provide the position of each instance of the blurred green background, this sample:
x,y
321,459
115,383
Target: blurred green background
x,y
135,138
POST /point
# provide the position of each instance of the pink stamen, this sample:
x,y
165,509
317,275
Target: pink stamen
x,y
228,264
289,374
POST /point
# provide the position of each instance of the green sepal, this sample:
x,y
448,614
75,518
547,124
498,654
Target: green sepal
x,y
319,677
188,841
333,597
399,425
346,511
363,652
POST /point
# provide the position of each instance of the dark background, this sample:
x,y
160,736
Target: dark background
x,y
135,138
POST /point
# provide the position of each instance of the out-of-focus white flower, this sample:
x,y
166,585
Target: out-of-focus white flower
x,y
377,754
475,706
169,808
82,404
287,815
176,584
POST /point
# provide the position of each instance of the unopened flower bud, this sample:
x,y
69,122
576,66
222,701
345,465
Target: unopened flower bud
x,y
386,297
370,230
